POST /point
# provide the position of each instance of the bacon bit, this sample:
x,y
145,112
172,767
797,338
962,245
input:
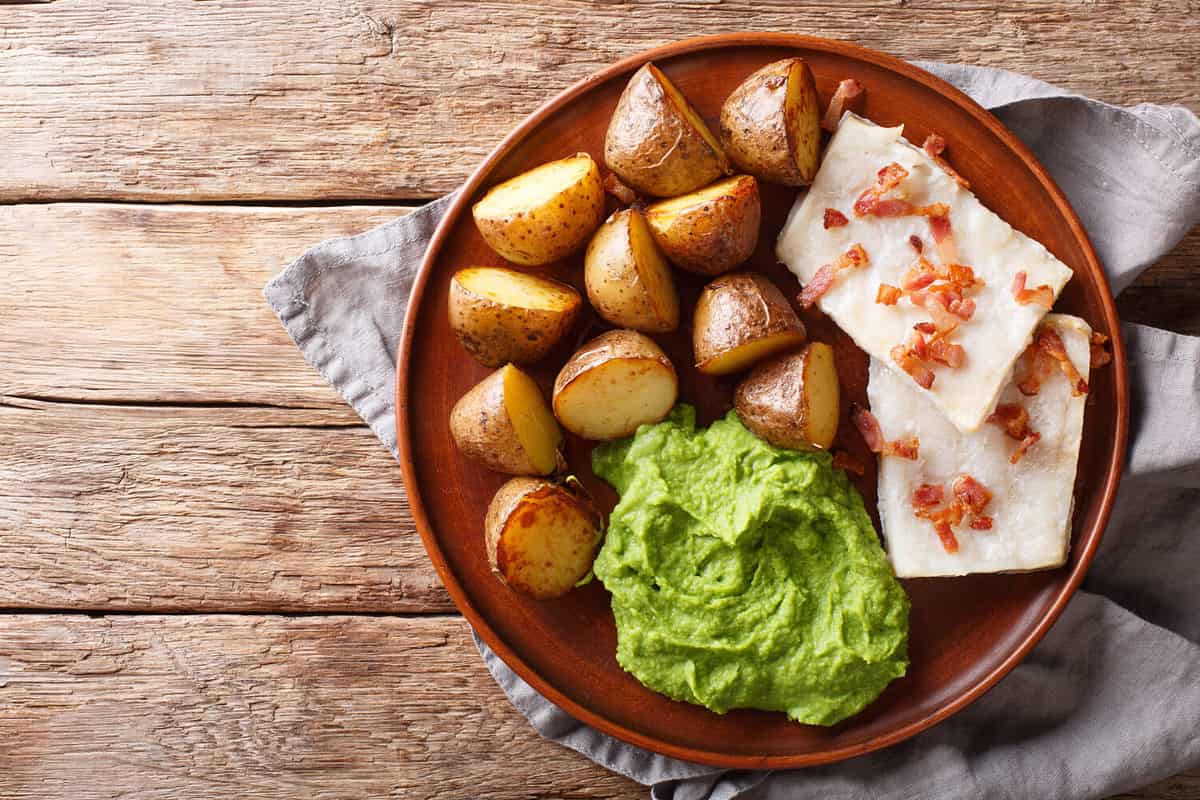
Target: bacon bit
x,y
970,498
925,327
613,185
1038,367
981,524
823,278
843,460
918,276
934,146
916,243
1048,341
868,426
972,495
928,495
887,295
1042,295
846,91
943,237
873,203
1014,419
946,534
948,353
1100,356
1023,448
835,219
962,276
909,448
913,366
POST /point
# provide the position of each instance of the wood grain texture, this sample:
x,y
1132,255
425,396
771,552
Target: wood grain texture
x,y
267,707
162,303
374,99
231,509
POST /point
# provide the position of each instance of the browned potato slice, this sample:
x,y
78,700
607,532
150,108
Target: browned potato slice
x,y
628,281
541,537
741,318
613,384
771,124
792,399
506,424
544,214
709,231
502,315
657,143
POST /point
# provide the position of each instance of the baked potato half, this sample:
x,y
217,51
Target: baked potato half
x,y
628,281
501,315
771,124
614,383
505,423
656,142
740,319
792,399
711,230
544,214
541,537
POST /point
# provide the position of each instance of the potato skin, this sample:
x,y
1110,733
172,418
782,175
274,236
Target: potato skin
x,y
713,237
738,308
754,126
482,430
616,286
770,400
653,147
551,231
605,347
495,334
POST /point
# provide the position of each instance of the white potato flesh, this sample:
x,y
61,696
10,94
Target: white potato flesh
x,y
611,400
1000,328
1032,499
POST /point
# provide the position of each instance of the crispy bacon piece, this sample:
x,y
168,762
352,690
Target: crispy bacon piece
x,y
918,276
873,203
916,243
981,524
846,91
1100,356
835,219
961,276
943,237
1049,342
912,366
887,295
909,448
823,278
843,460
868,426
928,495
969,493
1038,367
1013,418
946,534
1042,295
948,353
970,498
934,146
1023,448
613,185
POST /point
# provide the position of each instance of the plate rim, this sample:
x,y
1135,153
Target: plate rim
x,y
1091,538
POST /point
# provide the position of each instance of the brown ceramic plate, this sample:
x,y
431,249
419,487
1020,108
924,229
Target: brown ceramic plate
x,y
966,633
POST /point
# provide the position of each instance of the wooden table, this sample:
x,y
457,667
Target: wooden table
x,y
210,583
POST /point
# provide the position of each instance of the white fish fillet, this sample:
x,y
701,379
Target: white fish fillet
x,y
1000,329
1032,499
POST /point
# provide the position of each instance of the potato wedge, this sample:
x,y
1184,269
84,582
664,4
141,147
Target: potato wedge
x,y
628,281
541,537
505,423
501,315
544,214
792,399
742,318
771,124
614,383
709,231
657,143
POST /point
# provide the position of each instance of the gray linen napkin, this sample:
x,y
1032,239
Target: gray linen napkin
x,y
1110,700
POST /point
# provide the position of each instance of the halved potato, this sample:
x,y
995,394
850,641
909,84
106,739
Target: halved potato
x,y
792,399
544,214
711,230
742,318
628,281
541,537
657,143
613,384
771,124
502,315
505,423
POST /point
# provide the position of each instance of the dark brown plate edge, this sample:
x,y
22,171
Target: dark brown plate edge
x,y
1089,540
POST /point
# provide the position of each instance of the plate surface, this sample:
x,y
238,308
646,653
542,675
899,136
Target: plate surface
x,y
966,633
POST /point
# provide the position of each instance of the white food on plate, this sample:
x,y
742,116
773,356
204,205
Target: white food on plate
x,y
1000,328
1032,500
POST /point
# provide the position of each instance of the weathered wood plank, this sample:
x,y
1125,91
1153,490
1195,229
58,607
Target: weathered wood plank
x,y
374,99
160,508
163,303
267,707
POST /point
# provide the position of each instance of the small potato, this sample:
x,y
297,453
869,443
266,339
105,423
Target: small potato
x,y
792,399
613,384
742,318
544,214
541,537
501,315
709,231
771,124
505,423
628,281
657,143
